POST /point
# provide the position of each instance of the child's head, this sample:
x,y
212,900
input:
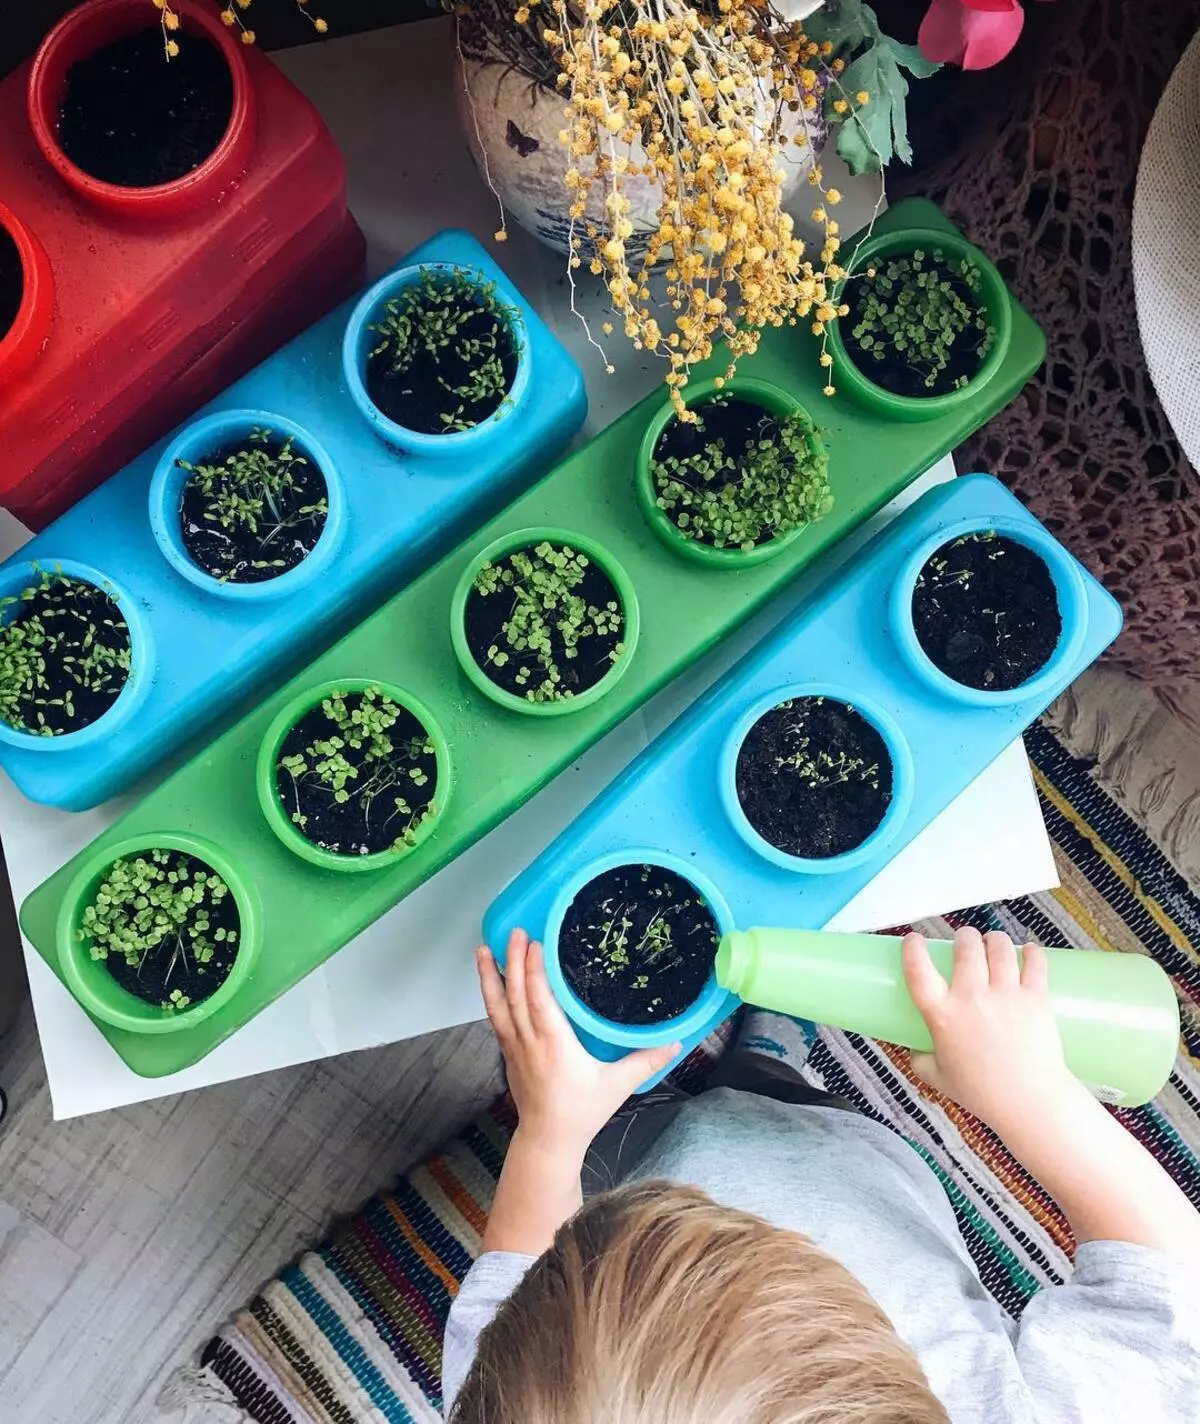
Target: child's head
x,y
655,1305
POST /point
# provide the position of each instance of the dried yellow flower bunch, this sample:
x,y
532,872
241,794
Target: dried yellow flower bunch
x,y
695,97
230,15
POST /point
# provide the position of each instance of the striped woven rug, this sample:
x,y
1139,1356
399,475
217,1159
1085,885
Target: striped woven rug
x,y
352,1332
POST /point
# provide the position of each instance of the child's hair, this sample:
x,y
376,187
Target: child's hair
x,y
655,1305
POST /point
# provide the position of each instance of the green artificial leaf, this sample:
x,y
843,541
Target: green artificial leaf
x,y
844,24
869,137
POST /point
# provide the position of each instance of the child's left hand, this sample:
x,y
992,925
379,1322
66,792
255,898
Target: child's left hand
x,y
564,1096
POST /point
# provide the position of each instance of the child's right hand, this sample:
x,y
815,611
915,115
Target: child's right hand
x,y
996,1046
997,1051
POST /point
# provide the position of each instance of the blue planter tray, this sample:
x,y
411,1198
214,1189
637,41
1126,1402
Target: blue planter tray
x,y
397,501
676,804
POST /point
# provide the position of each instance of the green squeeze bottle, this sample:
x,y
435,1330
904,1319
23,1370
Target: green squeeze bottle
x,y
1117,1013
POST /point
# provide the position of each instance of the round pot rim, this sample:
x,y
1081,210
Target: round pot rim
x,y
21,574
1070,592
903,778
30,326
47,76
702,1008
510,543
266,762
166,489
94,863
995,299
353,367
757,392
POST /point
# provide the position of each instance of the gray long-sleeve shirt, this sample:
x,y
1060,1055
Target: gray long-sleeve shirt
x,y
1119,1341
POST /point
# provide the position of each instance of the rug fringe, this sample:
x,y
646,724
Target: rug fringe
x,y
198,1385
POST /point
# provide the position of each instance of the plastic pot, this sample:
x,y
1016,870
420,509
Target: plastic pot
x,y
704,1007
902,780
524,539
16,577
1072,607
96,24
199,442
359,340
21,344
772,399
852,380
89,980
268,760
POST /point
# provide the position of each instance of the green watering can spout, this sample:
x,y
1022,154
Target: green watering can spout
x,y
1117,1013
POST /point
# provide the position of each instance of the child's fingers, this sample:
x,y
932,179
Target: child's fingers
x,y
635,1068
514,981
492,987
970,961
1004,969
545,1013
1035,972
921,974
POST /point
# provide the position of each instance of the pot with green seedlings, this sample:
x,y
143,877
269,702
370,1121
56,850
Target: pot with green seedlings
x,y
739,482
353,774
544,621
435,358
246,504
926,324
75,655
156,933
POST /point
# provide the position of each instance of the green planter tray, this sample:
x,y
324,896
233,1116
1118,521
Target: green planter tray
x,y
498,758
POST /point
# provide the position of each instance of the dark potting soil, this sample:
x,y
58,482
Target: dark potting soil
x,y
171,965
369,820
986,612
730,422
486,615
637,944
82,644
895,372
419,396
814,777
12,282
283,537
133,117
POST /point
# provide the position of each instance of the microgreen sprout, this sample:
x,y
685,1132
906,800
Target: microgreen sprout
x,y
922,313
549,622
254,513
164,917
446,341
360,761
817,768
64,655
739,494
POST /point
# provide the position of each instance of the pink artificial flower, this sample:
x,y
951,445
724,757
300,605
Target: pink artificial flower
x,y
972,33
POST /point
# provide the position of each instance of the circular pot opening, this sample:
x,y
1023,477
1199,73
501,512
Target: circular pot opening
x,y
928,324
434,356
12,281
353,775
741,482
246,503
156,935
130,124
26,296
71,648
544,621
815,779
633,943
990,615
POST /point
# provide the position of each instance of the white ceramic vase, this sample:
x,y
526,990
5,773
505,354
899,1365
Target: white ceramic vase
x,y
512,115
